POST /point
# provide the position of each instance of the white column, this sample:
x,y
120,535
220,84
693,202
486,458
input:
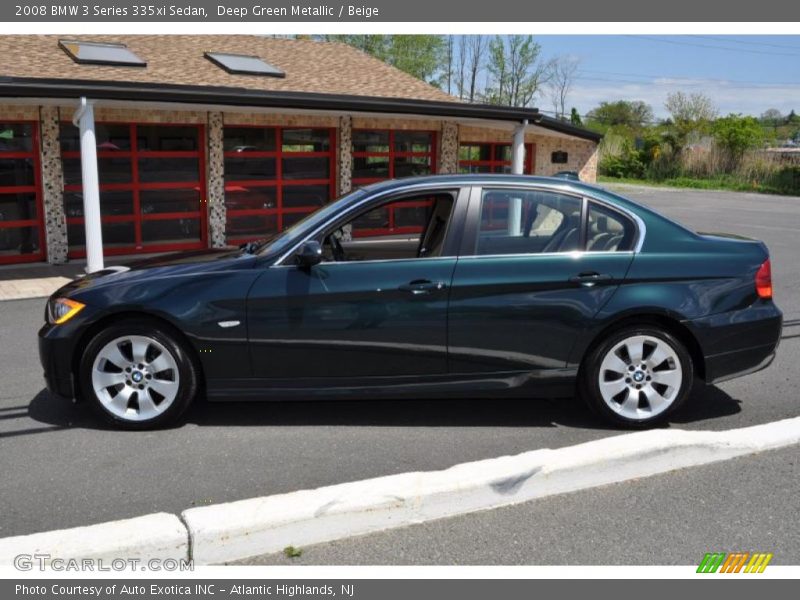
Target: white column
x,y
518,149
84,119
517,168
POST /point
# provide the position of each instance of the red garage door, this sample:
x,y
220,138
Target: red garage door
x,y
482,157
21,219
152,187
274,176
380,154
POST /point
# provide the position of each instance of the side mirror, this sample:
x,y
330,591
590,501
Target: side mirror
x,y
309,254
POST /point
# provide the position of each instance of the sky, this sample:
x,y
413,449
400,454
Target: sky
x,y
741,74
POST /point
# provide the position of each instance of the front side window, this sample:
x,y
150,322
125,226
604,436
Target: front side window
x,y
515,221
608,230
420,226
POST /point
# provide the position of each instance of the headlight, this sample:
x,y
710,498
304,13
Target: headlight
x,y
61,310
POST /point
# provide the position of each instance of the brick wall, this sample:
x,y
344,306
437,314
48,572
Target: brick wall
x,y
581,154
12,112
128,115
279,119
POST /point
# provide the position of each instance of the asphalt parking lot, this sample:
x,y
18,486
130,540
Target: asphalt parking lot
x,y
668,519
61,468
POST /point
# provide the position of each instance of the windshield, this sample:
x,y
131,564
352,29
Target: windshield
x,y
287,237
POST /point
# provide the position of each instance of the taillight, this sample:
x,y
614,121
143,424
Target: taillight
x,y
764,280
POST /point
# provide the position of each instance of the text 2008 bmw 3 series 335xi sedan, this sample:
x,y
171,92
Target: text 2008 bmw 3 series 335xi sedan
x,y
446,286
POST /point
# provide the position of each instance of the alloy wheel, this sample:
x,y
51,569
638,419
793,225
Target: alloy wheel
x,y
640,377
135,378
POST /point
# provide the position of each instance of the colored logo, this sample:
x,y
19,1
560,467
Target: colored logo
x,y
735,562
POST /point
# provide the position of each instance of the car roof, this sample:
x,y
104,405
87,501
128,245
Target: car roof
x,y
562,184
482,178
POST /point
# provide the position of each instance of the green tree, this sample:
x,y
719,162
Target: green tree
x,y
575,117
420,55
735,134
423,56
632,114
691,113
516,71
772,117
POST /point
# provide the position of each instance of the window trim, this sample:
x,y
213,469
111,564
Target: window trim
x,y
135,186
279,182
36,190
471,228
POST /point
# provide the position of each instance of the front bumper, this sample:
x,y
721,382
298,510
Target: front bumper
x,y
55,355
740,342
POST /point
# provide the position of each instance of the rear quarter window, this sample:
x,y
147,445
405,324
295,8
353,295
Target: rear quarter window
x,y
608,230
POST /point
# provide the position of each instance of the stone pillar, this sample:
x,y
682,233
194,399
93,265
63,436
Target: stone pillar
x,y
345,151
55,221
215,184
448,148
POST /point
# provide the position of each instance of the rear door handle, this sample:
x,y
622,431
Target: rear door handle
x,y
420,287
590,278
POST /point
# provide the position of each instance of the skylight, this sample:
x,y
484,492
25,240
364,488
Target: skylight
x,y
244,65
100,53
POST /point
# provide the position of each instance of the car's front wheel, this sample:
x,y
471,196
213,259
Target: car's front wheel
x,y
637,376
137,375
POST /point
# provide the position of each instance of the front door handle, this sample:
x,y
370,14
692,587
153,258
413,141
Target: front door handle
x,y
590,278
420,287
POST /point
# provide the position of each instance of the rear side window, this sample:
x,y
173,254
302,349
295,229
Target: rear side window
x,y
608,230
528,222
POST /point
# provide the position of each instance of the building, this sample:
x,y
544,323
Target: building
x,y
203,141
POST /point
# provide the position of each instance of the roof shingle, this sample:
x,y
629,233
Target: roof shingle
x,y
310,65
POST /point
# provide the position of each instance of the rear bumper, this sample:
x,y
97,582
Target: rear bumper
x,y
724,367
740,342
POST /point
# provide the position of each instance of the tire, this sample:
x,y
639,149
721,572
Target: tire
x,y
150,392
664,376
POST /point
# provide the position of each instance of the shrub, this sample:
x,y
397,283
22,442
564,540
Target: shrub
x,y
628,163
734,135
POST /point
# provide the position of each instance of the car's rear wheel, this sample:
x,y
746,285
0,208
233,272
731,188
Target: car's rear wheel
x,y
137,375
637,376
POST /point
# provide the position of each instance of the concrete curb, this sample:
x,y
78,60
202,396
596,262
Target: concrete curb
x,y
26,289
238,530
159,535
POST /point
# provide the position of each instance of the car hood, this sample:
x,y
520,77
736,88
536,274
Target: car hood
x,y
181,258
179,264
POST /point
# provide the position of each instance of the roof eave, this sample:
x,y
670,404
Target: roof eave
x,y
31,87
